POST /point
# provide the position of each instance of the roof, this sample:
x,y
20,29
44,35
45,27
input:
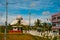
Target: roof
x,y
56,14
22,22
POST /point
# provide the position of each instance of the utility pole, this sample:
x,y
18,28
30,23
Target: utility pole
x,y
5,34
29,20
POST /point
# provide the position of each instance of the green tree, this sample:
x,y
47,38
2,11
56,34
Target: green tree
x,y
50,27
1,28
38,25
9,27
47,27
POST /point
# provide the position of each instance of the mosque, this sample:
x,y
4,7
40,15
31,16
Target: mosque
x,y
17,29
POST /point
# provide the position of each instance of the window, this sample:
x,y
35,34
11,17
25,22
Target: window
x,y
53,18
58,24
58,17
53,24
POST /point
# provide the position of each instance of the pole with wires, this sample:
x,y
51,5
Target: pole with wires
x,y
5,34
29,20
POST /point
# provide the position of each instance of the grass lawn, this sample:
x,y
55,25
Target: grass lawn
x,y
21,37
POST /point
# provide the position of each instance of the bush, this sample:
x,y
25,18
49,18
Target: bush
x,y
2,29
55,38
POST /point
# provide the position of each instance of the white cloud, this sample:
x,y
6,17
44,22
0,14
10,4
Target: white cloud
x,y
11,18
45,17
26,21
2,21
46,13
31,21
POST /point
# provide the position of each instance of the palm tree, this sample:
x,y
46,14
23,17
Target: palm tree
x,y
38,25
47,27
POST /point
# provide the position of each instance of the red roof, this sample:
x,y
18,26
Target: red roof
x,y
56,14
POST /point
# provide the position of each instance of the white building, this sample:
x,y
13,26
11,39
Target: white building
x,y
16,28
22,21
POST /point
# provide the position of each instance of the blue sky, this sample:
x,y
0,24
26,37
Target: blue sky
x,y
41,9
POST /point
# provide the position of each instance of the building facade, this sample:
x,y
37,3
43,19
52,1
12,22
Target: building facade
x,y
56,22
